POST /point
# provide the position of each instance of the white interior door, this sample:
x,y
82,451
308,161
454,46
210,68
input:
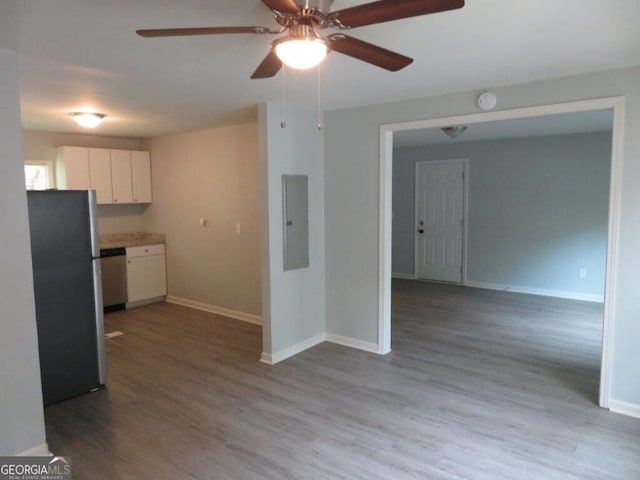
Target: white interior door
x,y
440,212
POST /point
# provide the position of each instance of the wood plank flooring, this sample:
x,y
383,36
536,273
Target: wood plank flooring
x,y
480,385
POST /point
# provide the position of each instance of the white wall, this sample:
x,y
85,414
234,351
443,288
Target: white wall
x,y
121,218
352,141
111,218
42,145
293,301
21,414
210,174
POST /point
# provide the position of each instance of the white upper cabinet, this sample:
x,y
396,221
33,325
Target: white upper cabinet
x,y
141,176
118,176
121,176
100,174
72,168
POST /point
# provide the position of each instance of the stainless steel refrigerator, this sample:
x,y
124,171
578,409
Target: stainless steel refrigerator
x,y
68,293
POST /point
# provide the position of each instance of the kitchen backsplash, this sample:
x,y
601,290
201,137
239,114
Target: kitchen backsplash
x,y
133,239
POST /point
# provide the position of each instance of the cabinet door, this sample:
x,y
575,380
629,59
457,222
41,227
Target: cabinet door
x,y
146,278
100,174
121,176
72,168
141,177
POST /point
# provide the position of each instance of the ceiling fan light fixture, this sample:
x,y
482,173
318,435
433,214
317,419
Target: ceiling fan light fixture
x,y
301,53
87,119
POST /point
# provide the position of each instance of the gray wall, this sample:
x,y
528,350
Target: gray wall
x,y
293,301
538,209
352,141
21,416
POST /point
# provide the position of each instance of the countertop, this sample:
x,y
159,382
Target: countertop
x,y
135,239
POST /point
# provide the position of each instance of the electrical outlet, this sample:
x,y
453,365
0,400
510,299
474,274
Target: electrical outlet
x,y
583,273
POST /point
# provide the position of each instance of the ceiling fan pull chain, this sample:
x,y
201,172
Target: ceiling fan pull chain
x,y
283,118
319,85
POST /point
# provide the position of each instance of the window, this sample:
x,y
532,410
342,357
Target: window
x,y
38,175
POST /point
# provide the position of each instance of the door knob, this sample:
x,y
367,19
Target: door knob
x,y
421,231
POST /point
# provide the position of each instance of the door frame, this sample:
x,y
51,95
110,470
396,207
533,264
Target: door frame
x,y
465,210
615,104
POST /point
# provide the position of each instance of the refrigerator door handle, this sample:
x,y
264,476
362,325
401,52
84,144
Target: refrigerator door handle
x,y
93,224
99,316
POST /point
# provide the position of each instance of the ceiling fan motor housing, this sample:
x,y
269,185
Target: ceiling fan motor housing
x,y
304,29
324,5
314,12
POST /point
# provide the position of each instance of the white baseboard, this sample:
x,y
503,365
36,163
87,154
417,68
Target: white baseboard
x,y
624,408
185,302
146,301
276,357
266,358
352,342
405,276
273,358
586,297
39,451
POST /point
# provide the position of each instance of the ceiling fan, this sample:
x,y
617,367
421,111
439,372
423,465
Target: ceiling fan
x,y
304,47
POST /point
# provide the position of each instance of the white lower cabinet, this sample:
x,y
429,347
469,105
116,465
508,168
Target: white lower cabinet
x,y
146,273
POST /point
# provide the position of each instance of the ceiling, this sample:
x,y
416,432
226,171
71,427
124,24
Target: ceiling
x,y
77,54
558,124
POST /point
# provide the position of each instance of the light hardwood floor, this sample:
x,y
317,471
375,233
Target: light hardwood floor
x,y
480,385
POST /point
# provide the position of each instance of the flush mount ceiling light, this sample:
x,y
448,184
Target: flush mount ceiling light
x,y
303,49
87,119
454,132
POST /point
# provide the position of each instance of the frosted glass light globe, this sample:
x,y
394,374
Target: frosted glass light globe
x,y
301,54
86,119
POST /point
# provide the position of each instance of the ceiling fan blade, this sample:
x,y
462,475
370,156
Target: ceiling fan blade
x,y
367,52
269,66
388,10
177,32
282,6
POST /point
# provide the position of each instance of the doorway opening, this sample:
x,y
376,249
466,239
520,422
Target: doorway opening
x,y
614,105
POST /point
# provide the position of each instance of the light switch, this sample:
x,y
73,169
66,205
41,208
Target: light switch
x,y
238,228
